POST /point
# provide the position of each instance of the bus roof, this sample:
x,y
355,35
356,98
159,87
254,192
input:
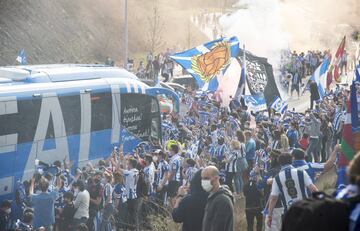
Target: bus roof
x,y
65,78
60,73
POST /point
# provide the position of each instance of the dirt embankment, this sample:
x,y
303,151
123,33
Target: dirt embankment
x,y
88,31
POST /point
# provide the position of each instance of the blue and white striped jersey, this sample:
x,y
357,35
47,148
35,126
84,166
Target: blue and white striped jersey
x,y
175,164
149,172
290,185
162,169
131,179
231,160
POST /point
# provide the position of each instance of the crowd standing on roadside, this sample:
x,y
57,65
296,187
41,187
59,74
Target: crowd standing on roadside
x,y
209,158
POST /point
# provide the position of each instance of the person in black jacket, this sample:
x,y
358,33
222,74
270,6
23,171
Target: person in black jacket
x,y
253,203
189,209
314,93
67,214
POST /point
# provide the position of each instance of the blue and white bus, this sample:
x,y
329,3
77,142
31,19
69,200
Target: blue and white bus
x,y
49,112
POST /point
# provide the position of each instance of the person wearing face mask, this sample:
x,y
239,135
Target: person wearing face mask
x,y
5,211
219,210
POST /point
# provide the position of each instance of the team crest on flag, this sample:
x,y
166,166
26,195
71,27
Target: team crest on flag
x,y
208,65
208,62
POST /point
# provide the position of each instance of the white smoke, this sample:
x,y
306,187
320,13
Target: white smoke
x,y
268,26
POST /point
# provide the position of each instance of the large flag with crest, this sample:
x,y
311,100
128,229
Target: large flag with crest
x,y
208,62
257,83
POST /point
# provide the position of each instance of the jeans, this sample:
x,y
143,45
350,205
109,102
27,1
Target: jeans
x,y
341,176
251,214
238,182
78,221
312,151
229,179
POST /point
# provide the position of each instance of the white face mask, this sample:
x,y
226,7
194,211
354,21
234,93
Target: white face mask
x,y
8,211
155,158
206,185
76,191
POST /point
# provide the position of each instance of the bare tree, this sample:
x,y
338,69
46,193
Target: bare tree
x,y
156,27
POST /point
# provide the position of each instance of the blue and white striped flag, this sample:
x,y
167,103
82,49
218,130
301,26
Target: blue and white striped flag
x,y
279,105
208,62
21,57
319,76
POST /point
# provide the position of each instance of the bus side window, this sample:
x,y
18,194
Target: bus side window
x,y
71,109
24,122
101,111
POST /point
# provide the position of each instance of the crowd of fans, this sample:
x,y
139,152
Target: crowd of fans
x,y
210,158
156,65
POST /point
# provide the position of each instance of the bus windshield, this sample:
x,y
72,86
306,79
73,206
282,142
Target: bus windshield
x,y
140,116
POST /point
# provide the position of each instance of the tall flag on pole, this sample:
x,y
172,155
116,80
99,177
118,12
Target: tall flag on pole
x,y
208,62
357,73
242,83
337,60
320,77
243,74
21,57
354,107
347,143
329,77
279,105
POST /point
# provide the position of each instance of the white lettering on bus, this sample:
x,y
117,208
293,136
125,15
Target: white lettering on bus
x,y
116,105
85,127
50,106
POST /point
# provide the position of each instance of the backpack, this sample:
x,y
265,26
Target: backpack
x,y
316,214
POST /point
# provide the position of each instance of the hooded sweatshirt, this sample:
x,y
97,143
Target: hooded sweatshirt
x,y
219,211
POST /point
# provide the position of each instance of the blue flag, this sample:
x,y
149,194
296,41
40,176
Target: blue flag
x,y
208,61
255,102
319,76
21,57
279,105
357,73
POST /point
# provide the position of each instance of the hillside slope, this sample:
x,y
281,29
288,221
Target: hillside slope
x,y
86,31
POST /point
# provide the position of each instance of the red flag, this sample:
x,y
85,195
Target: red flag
x,y
329,77
337,60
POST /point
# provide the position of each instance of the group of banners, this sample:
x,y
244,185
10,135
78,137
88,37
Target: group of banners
x,y
221,66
